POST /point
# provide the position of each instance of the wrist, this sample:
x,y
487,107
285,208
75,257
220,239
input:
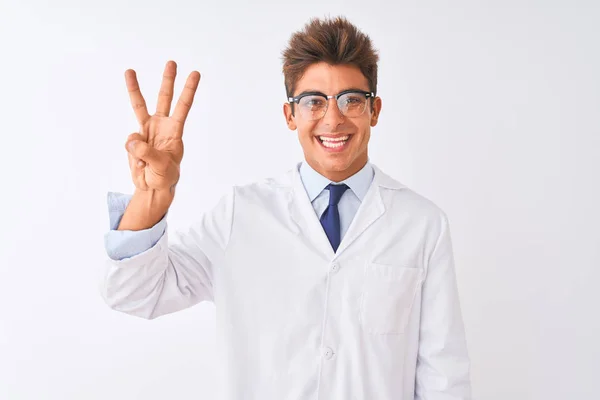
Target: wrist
x,y
154,202
146,209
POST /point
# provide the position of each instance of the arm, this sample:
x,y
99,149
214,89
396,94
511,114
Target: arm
x,y
174,274
167,275
443,365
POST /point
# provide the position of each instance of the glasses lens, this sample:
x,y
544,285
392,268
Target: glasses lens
x,y
313,107
352,104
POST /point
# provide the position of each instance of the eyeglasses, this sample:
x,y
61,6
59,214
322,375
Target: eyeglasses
x,y
313,105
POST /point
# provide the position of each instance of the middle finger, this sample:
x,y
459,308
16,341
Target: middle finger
x,y
165,95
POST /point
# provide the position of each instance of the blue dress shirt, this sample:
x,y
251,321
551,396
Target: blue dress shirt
x,y
125,243
315,184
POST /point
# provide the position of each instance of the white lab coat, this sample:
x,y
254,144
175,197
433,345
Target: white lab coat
x,y
378,320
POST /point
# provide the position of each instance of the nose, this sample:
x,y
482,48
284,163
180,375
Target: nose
x,y
333,116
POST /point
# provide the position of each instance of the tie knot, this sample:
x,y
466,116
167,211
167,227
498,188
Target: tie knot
x,y
335,193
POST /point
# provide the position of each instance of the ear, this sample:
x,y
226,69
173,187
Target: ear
x,y
289,118
376,110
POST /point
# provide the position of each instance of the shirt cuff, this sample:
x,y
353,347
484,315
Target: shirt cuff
x,y
126,243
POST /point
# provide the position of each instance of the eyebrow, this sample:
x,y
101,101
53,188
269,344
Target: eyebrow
x,y
315,91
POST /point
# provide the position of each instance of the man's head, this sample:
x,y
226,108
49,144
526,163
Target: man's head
x,y
332,57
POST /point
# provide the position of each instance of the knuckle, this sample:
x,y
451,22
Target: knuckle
x,y
139,105
186,103
165,93
141,149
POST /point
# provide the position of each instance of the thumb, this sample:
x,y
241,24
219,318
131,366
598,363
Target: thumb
x,y
143,151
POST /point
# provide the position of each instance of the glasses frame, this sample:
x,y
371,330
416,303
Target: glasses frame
x,y
296,99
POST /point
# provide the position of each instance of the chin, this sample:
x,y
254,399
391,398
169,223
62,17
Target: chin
x,y
335,165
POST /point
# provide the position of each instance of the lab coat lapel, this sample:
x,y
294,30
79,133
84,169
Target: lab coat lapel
x,y
309,227
371,209
303,214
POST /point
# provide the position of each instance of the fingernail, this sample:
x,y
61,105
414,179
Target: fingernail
x,y
131,145
140,163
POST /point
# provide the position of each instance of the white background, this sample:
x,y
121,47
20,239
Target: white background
x,y
489,109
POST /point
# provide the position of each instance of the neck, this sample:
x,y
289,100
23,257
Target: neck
x,y
338,176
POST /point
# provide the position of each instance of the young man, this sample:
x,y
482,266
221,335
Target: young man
x,y
332,281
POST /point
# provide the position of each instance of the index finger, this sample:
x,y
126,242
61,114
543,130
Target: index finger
x,y
186,98
135,95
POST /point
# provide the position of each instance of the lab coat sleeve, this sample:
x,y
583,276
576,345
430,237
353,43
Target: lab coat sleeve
x,y
174,274
443,365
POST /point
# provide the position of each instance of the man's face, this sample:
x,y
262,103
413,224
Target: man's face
x,y
330,159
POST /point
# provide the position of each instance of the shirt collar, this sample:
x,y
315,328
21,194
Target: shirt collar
x,y
315,183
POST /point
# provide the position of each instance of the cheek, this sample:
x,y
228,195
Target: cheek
x,y
363,129
362,140
305,131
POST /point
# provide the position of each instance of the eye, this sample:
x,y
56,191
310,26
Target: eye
x,y
353,100
312,102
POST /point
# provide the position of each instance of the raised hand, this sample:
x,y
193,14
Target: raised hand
x,y
156,151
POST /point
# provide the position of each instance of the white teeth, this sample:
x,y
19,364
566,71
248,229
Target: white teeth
x,y
333,145
338,139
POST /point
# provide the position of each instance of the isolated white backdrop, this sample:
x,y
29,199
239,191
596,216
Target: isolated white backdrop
x,y
489,109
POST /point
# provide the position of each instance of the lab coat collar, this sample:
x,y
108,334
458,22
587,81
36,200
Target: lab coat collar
x,y
309,228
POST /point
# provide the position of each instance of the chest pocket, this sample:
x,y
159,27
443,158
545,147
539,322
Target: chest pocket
x,y
387,298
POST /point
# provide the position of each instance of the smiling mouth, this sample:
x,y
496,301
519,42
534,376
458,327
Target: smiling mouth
x,y
338,143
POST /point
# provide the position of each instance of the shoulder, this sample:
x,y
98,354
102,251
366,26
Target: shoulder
x,y
401,197
265,188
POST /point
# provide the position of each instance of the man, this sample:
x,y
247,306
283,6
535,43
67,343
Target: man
x,y
332,281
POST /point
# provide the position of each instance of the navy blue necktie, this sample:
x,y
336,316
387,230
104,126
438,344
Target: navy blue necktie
x,y
331,217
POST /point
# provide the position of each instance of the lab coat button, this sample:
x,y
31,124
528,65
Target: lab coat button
x,y
327,353
335,268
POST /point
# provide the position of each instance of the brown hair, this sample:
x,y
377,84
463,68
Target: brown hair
x,y
334,41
